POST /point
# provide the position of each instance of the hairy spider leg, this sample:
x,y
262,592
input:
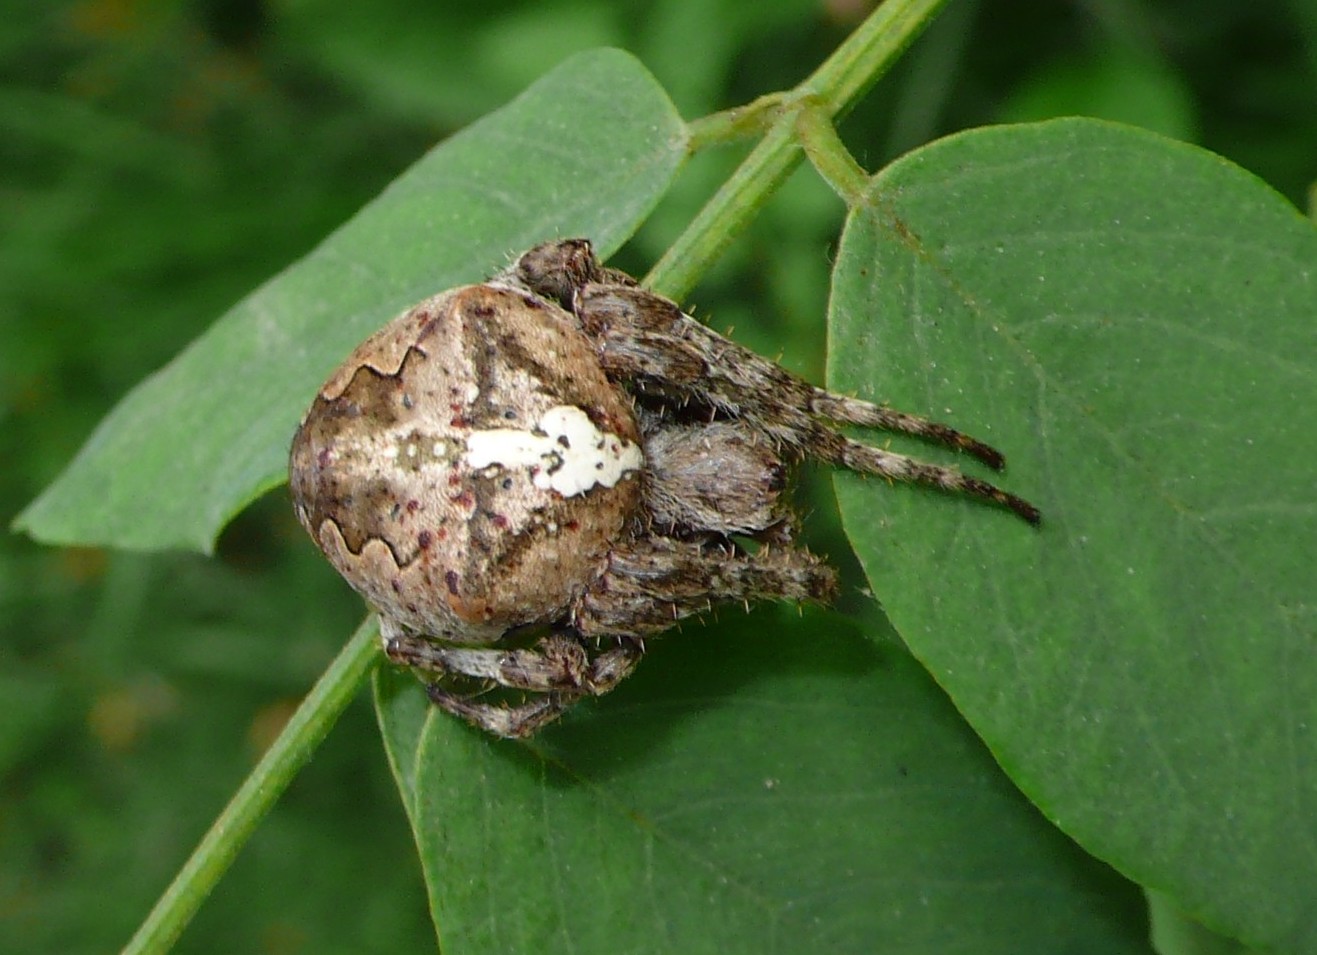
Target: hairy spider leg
x,y
898,467
647,340
562,270
509,722
846,410
560,666
650,584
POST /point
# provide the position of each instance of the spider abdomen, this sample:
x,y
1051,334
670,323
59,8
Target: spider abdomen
x,y
469,465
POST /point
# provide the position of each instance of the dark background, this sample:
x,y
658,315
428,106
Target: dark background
x,y
159,159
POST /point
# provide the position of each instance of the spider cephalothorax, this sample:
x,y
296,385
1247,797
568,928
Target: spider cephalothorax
x,y
528,477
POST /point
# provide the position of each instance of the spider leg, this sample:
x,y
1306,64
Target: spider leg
x,y
557,662
652,583
898,467
646,339
568,272
846,410
517,721
557,671
509,722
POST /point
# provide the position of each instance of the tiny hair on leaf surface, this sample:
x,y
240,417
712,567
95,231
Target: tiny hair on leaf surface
x,y
1130,320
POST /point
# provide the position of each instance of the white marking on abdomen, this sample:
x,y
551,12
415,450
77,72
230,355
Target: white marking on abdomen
x,y
571,455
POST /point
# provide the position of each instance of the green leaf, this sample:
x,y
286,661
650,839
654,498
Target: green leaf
x,y
588,150
1174,934
1132,321
775,783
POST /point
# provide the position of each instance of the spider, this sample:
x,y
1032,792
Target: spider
x,y
530,477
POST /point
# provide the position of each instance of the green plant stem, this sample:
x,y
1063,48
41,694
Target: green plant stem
x,y
739,122
276,769
725,215
833,89
829,155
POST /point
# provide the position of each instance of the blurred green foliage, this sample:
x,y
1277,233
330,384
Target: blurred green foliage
x,y
161,159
